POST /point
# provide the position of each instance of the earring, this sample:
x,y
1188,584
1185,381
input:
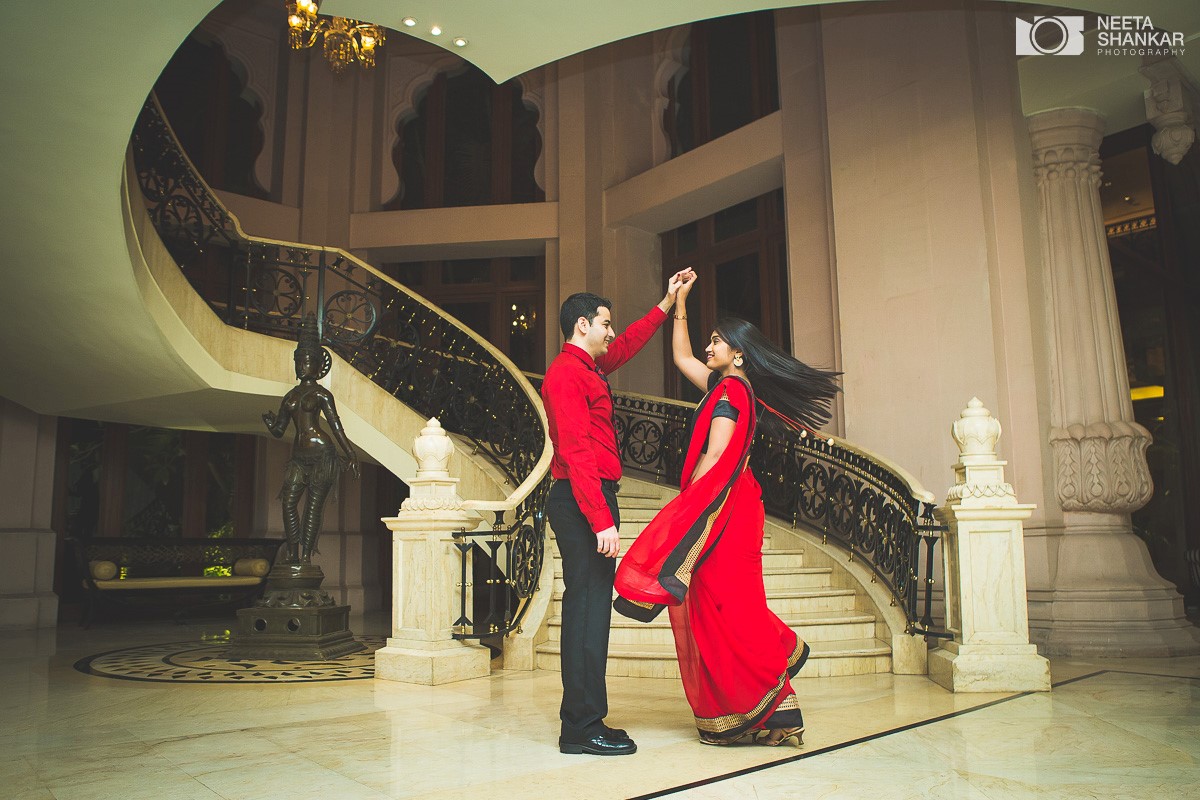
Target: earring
x,y
737,362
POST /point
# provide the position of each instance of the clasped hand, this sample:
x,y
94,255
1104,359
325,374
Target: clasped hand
x,y
681,280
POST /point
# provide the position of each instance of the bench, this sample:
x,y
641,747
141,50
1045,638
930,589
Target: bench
x,y
187,573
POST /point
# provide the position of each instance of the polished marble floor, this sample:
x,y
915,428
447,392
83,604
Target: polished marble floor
x,y
1118,729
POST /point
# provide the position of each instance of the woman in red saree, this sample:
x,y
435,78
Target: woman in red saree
x,y
701,556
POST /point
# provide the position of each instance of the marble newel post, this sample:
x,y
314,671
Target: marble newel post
x,y
1105,597
985,572
426,575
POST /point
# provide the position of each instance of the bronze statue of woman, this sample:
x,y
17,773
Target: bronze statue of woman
x,y
315,464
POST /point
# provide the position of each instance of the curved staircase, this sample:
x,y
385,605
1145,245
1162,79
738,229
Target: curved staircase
x,y
805,586
394,359
399,360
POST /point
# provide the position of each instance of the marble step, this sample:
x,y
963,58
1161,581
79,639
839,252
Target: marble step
x,y
641,500
812,627
791,576
785,603
828,659
775,578
631,516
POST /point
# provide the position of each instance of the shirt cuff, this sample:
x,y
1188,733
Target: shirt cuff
x,y
600,519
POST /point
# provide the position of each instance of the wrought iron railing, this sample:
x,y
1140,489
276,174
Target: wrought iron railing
x,y
867,507
420,355
500,596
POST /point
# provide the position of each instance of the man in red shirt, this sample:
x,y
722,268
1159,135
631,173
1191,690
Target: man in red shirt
x,y
582,508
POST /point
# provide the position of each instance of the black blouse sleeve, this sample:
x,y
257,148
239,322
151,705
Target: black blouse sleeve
x,y
725,409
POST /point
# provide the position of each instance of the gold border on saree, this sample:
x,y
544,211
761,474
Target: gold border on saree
x,y
730,721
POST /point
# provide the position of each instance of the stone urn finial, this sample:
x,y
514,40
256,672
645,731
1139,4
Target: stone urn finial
x,y
433,449
976,431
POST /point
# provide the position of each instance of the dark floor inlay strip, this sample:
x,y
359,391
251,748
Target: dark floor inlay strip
x,y
911,726
830,749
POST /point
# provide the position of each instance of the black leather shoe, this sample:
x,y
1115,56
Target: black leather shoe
x,y
599,745
617,733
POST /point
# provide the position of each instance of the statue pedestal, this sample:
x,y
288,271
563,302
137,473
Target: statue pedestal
x,y
294,620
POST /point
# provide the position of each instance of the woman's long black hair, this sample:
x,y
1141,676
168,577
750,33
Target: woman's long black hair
x,y
785,385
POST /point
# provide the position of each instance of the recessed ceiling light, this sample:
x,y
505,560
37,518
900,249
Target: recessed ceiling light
x,y
409,22
460,42
436,30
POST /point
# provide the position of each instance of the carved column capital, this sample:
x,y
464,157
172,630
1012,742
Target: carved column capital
x,y
1066,145
1169,108
1102,467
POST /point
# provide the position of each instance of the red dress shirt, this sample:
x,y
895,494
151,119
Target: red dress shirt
x,y
579,407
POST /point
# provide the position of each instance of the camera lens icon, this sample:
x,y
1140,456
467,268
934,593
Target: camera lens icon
x,y
1050,36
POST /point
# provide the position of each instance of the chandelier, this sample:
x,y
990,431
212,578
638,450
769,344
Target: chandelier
x,y
346,41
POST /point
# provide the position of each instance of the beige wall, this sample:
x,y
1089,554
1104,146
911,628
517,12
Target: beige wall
x,y
27,543
929,165
812,268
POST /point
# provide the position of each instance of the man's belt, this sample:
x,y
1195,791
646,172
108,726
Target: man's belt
x,y
605,483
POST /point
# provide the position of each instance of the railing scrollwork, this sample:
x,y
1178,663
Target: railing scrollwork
x,y
870,509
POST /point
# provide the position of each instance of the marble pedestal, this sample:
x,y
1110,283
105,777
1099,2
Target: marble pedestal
x,y
984,556
429,593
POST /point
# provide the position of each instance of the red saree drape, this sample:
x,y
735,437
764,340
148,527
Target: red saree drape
x,y
702,556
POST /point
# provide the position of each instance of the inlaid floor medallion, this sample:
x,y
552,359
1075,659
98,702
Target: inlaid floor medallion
x,y
206,662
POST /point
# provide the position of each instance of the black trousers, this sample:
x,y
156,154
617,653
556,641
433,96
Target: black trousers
x,y
586,612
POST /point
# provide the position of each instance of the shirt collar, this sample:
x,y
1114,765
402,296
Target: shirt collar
x,y
580,353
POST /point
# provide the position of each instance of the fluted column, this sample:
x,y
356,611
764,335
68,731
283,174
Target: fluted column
x,y
1099,451
1105,596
